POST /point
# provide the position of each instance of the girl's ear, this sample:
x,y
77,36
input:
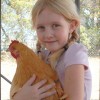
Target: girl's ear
x,y
73,25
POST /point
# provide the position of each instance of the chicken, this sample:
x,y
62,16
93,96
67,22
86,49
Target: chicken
x,y
28,63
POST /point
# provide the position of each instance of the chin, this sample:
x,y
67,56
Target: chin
x,y
53,50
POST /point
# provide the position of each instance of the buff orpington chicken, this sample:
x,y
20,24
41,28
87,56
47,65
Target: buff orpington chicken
x,y
28,63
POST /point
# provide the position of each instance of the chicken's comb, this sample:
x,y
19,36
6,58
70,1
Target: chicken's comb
x,y
13,41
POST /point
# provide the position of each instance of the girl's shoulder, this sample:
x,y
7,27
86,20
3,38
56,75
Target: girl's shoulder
x,y
77,53
76,47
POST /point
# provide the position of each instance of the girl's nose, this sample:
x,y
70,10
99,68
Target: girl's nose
x,y
49,33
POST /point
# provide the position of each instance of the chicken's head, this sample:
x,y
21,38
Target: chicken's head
x,y
13,49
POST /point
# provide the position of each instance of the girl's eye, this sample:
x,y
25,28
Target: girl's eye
x,y
55,25
41,28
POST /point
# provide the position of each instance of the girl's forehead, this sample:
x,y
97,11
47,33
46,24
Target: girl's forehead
x,y
50,9
48,14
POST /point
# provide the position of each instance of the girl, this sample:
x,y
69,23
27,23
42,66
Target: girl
x,y
56,23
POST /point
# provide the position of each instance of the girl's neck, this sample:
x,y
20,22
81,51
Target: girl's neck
x,y
65,48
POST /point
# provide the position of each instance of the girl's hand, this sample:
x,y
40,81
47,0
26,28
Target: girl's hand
x,y
34,92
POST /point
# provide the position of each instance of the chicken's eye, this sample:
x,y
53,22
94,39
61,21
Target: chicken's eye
x,y
13,48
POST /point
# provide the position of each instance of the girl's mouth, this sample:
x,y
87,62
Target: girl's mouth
x,y
50,41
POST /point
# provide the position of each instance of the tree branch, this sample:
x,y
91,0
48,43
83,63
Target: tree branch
x,y
5,32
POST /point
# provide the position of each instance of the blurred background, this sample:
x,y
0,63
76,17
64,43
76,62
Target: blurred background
x,y
16,25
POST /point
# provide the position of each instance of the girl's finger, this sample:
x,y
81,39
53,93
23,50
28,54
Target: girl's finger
x,y
40,84
47,94
46,88
30,81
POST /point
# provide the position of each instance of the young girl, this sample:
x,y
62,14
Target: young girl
x,y
56,23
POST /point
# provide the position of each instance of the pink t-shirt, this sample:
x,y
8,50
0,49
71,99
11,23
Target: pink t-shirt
x,y
75,54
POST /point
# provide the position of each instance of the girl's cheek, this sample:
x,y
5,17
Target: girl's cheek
x,y
40,37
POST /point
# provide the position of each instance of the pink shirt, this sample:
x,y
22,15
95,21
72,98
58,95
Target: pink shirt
x,y
75,54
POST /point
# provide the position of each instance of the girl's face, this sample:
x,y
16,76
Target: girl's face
x,y
53,30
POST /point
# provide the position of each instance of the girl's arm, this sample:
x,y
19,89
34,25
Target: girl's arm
x,y
74,82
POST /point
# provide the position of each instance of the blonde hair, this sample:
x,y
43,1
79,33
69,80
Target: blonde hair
x,y
66,8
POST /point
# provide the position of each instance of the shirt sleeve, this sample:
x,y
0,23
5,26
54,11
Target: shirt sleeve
x,y
76,54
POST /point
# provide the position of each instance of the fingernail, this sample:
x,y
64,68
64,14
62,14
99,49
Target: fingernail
x,y
53,84
54,91
45,80
34,75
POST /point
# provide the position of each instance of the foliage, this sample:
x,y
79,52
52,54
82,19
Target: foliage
x,y
16,21
90,27
91,38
